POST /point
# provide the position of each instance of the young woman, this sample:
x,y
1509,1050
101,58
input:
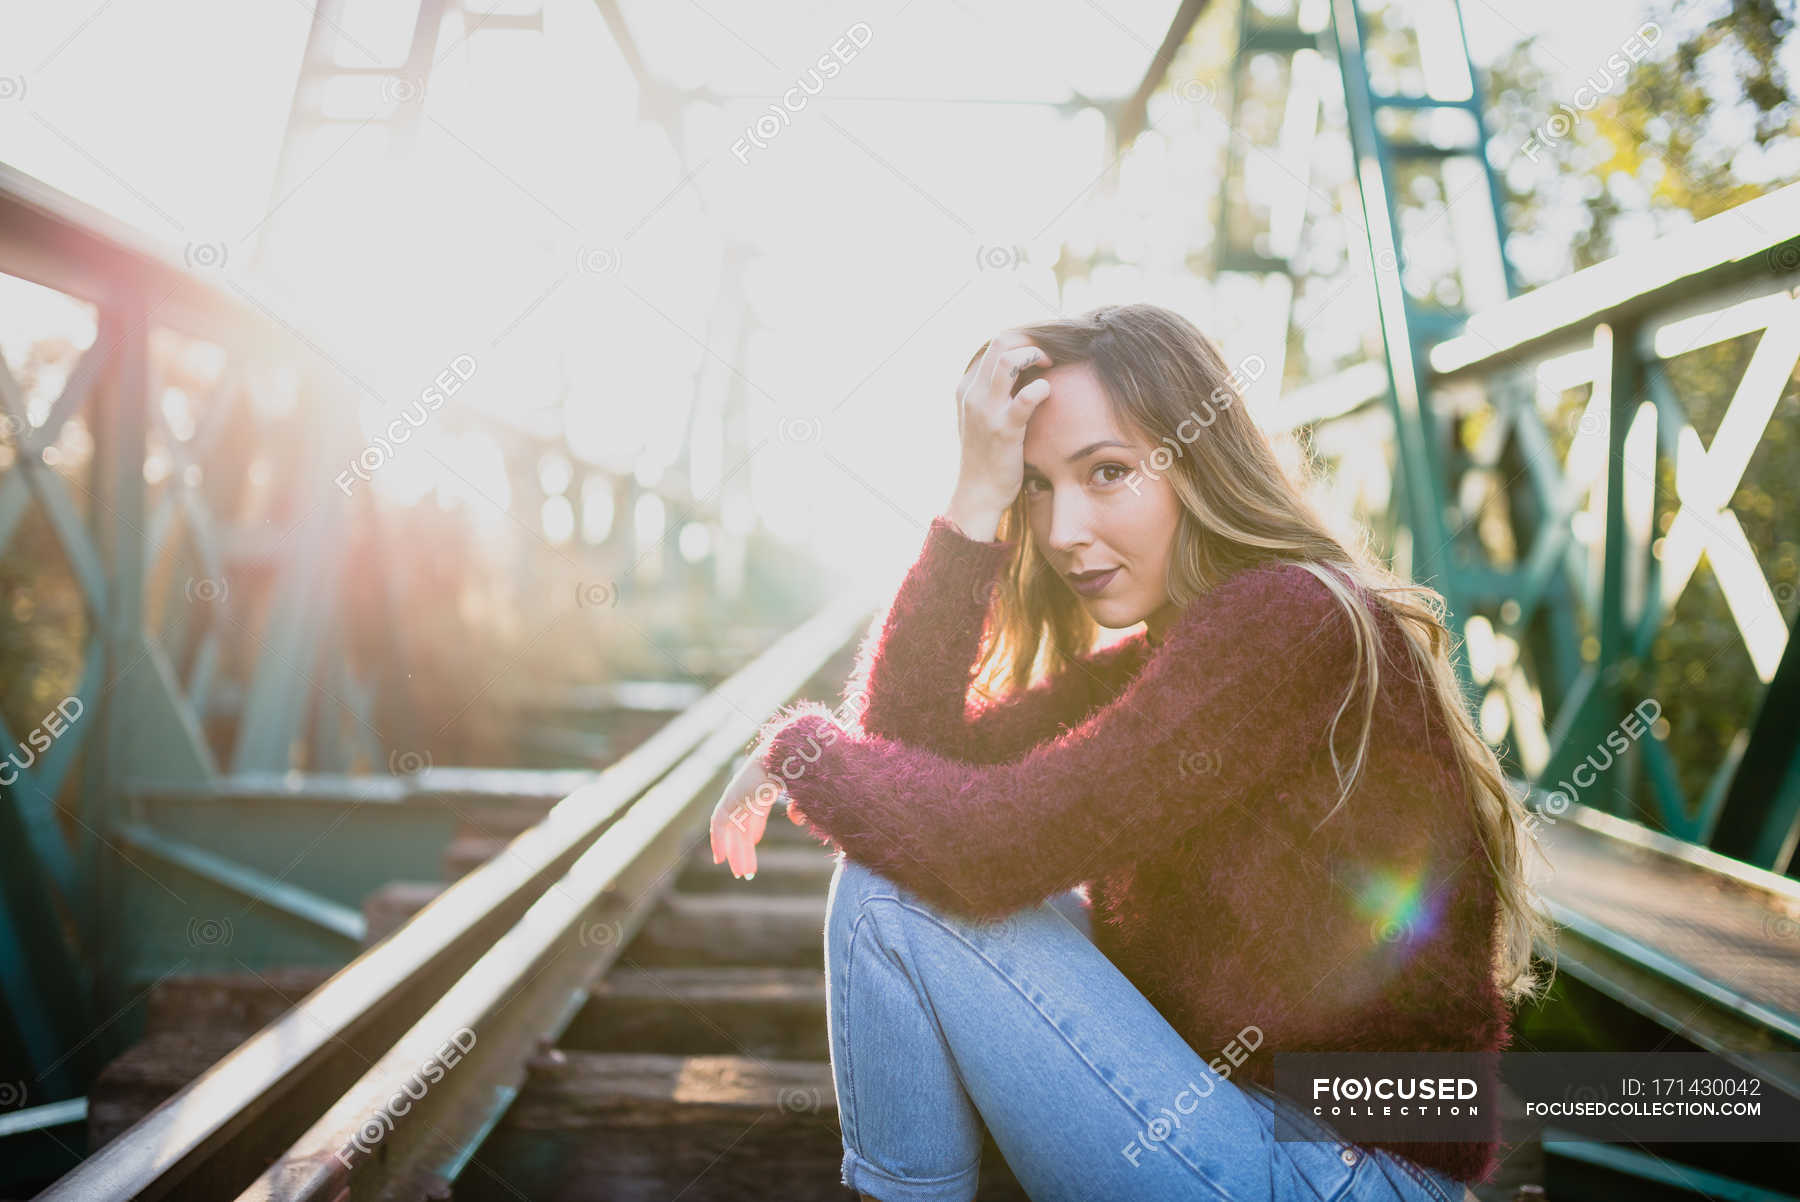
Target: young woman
x,y
1267,811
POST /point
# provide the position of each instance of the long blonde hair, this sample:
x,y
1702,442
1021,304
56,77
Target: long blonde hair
x,y
1241,508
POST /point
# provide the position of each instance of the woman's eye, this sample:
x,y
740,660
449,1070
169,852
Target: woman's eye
x,y
1030,482
1112,467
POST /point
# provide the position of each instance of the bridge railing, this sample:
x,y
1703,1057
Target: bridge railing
x,y
184,471
166,501
1586,499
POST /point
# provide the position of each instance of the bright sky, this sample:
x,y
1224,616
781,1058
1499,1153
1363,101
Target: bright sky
x,y
542,228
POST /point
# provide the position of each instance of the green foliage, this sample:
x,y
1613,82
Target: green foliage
x,y
1667,144
43,625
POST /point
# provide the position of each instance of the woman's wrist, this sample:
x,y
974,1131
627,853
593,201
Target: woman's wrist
x,y
977,518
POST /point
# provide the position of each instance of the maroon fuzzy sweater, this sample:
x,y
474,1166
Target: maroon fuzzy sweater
x,y
1181,784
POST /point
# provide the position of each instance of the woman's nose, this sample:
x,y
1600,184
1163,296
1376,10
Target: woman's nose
x,y
1069,520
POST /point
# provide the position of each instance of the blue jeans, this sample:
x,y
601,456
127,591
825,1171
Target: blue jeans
x,y
939,1025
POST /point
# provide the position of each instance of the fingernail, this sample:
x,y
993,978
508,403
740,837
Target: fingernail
x,y
751,877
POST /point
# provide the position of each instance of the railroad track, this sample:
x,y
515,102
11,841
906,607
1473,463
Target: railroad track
x,y
594,1010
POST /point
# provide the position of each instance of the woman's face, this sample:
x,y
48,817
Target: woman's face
x,y
1095,504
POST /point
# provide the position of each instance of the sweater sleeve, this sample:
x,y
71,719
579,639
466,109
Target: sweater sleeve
x,y
912,683
1244,687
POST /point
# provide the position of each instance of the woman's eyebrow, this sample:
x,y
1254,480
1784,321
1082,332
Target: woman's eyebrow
x,y
1085,451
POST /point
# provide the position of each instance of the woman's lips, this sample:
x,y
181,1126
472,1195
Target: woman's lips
x,y
1092,586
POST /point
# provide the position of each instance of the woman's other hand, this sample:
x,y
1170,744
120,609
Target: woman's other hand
x,y
741,816
991,419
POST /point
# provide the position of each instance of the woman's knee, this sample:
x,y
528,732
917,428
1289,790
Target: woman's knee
x,y
853,886
863,899
863,903
866,915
